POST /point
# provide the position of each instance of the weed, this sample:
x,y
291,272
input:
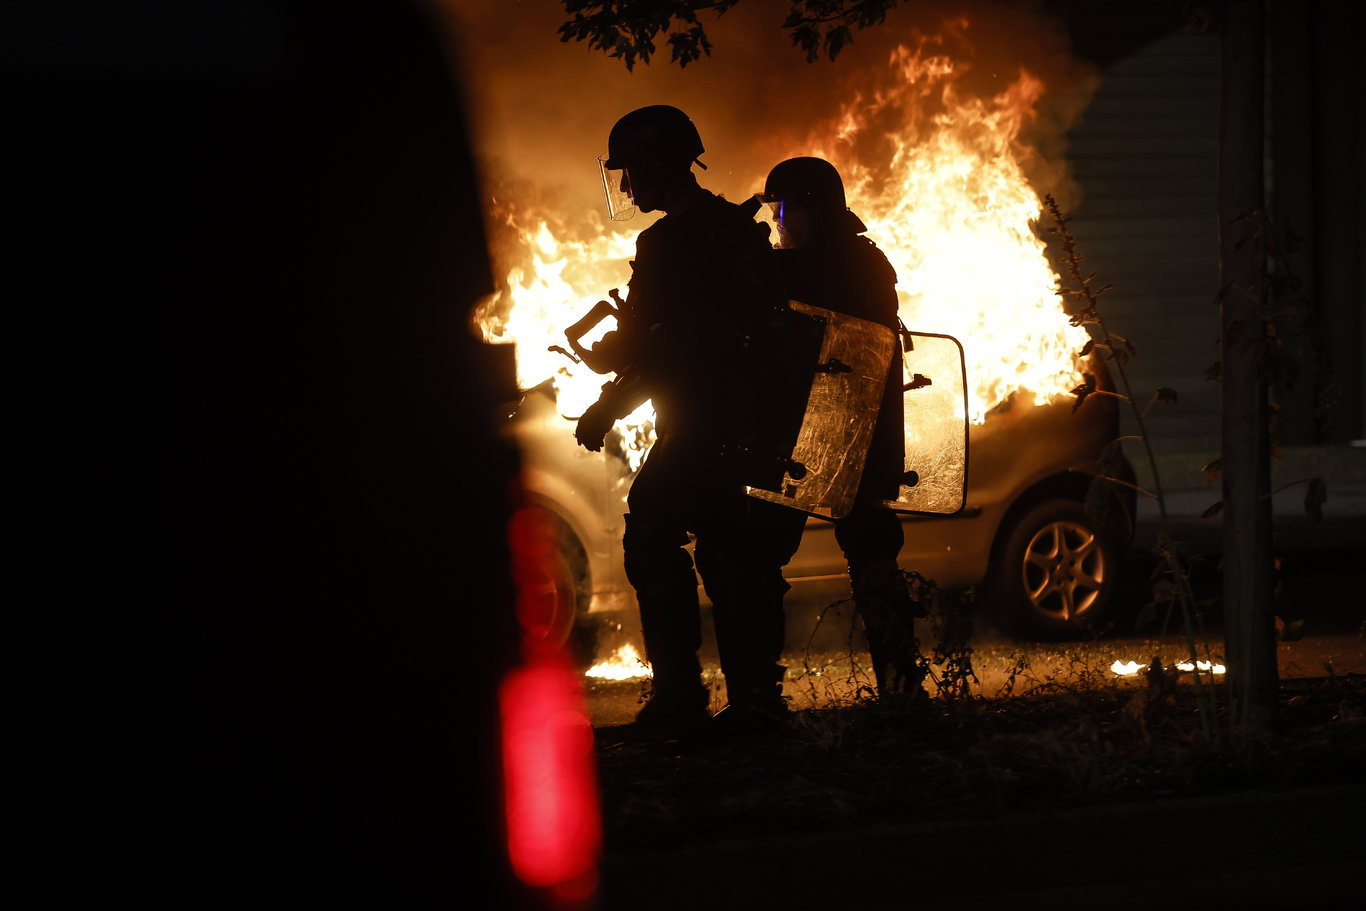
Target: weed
x,y
1116,350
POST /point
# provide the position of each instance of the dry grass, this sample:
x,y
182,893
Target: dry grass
x,y
865,762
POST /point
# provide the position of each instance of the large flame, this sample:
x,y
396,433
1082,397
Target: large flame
x,y
946,199
944,195
554,283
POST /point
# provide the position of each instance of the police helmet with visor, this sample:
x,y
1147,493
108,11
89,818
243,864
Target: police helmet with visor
x,y
658,141
806,195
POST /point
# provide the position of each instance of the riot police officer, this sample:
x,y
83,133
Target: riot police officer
x,y
826,261
703,296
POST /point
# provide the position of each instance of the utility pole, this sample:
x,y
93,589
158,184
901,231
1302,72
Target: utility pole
x,y
1249,635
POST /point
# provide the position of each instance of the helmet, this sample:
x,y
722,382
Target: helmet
x,y
813,180
807,196
657,143
658,135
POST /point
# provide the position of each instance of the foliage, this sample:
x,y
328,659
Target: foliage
x,y
825,25
628,29
1172,579
950,615
843,679
1066,741
1288,313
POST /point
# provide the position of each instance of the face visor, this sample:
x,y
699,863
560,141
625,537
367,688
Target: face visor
x,y
796,221
620,203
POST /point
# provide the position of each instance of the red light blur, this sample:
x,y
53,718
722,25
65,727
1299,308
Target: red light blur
x,y
554,826
544,609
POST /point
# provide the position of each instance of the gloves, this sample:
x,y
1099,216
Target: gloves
x,y
593,425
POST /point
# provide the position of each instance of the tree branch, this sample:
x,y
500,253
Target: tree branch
x,y
628,29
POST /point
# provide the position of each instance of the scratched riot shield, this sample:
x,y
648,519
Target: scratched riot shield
x,y
935,403
822,476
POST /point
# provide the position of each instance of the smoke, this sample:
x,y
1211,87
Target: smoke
x,y
541,108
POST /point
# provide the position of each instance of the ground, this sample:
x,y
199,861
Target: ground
x,y
869,763
1063,785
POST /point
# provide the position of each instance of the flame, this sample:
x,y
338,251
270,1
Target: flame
x,y
624,664
1204,666
944,194
556,282
554,285
946,198
1131,668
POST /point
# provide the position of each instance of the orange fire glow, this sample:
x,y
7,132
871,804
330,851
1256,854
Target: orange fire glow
x,y
949,203
624,664
946,199
558,282
1132,668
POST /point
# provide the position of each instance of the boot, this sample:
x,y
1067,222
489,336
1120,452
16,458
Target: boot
x,y
673,713
753,706
883,601
670,624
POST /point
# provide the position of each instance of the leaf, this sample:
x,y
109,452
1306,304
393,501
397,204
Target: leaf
x,y
689,46
1213,470
1087,348
1215,371
836,39
1290,632
626,31
1147,615
1087,387
808,39
1165,394
1164,590
1314,498
1213,510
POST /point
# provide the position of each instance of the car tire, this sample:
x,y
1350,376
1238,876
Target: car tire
x,y
555,589
1057,572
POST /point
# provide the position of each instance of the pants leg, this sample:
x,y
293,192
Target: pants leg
x,y
661,572
740,556
871,537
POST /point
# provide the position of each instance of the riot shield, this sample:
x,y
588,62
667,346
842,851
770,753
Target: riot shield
x,y
823,474
935,403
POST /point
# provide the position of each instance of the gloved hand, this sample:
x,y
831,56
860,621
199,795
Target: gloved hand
x,y
593,425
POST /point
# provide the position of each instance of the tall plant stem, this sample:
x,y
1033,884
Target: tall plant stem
x,y
1091,316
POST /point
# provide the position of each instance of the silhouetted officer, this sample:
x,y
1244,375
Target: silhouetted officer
x,y
703,299
827,262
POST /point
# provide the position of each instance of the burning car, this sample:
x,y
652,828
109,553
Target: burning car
x,y
945,195
1039,542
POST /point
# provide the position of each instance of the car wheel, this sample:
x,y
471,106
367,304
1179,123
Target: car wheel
x,y
553,586
1057,573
